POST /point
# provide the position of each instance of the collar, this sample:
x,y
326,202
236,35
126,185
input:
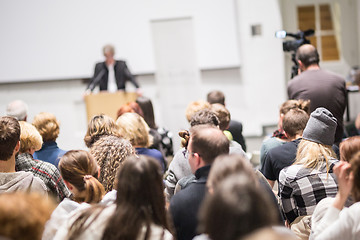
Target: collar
x,y
202,173
49,144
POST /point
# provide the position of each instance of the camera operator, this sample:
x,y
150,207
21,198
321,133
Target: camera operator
x,y
322,88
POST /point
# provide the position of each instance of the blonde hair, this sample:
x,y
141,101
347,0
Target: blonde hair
x,y
30,137
23,215
47,125
134,128
193,107
108,48
100,125
223,114
311,154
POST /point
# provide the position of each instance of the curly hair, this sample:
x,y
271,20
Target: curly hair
x,y
47,125
110,152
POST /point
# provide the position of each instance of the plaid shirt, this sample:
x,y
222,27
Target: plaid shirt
x,y
301,189
47,172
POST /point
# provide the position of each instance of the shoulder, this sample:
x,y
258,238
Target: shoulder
x,y
289,173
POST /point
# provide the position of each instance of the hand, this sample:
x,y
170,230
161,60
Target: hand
x,y
139,92
87,92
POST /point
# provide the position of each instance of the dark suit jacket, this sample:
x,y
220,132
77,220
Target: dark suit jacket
x,y
101,76
235,128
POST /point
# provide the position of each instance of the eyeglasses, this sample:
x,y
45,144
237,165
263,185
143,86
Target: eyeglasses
x,y
186,153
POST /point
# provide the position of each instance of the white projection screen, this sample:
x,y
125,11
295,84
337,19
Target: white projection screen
x,y
62,39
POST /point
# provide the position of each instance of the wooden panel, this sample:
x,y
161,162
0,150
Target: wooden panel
x,y
329,48
313,41
306,17
325,17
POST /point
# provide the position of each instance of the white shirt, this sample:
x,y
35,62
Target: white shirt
x,y
112,86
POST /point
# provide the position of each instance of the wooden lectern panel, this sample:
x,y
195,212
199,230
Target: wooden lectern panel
x,y
107,103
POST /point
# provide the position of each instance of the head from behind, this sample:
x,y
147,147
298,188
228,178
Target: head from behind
x,y
98,126
293,104
205,116
349,147
80,172
307,55
30,138
195,106
9,137
17,109
148,110
216,97
223,114
110,152
205,144
134,128
130,107
233,210
294,122
355,168
47,125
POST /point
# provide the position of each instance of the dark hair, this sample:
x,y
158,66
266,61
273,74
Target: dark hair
x,y
294,122
236,208
216,97
205,116
80,169
308,55
349,147
148,110
140,202
209,142
355,167
132,107
9,136
223,114
110,152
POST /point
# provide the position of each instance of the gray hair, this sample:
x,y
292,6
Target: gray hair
x,y
17,109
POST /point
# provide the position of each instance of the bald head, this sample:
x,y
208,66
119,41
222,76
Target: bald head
x,y
209,142
307,55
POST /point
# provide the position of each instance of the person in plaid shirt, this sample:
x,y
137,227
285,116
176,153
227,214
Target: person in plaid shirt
x,y
30,141
311,178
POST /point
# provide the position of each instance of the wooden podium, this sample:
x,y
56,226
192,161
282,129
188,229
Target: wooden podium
x,y
107,103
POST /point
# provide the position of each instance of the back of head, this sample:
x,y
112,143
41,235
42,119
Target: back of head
x,y
17,109
355,168
226,165
148,110
235,209
294,122
195,106
134,128
291,104
98,126
216,97
308,55
223,114
349,147
110,152
47,125
9,136
209,142
30,138
23,215
205,116
130,107
80,169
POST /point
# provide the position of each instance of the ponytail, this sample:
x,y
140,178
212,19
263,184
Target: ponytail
x,y
94,190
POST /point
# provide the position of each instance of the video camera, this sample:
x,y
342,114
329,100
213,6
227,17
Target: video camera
x,y
293,45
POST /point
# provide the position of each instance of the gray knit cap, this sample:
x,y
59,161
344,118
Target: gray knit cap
x,y
321,127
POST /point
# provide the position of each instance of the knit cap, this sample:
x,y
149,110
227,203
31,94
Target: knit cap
x,y
321,127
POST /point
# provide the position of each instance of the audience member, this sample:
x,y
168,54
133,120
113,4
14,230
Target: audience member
x,y
194,107
80,172
133,128
130,107
31,141
236,208
138,213
100,125
322,88
349,147
278,137
311,177
162,137
17,109
294,122
49,128
11,181
23,215
339,222
270,233
235,127
205,144
110,152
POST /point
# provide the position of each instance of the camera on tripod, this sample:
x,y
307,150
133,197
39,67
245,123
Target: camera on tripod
x,y
293,45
